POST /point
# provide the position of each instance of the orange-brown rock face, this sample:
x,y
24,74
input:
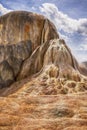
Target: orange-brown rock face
x,y
23,26
42,86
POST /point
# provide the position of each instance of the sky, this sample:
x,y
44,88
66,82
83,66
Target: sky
x,y
69,17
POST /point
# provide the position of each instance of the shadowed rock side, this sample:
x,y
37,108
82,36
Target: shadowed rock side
x,y
42,86
11,59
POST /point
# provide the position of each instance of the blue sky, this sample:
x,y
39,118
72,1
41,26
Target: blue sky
x,y
69,17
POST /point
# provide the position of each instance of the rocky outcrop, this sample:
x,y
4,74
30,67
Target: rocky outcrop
x,y
42,86
20,34
26,46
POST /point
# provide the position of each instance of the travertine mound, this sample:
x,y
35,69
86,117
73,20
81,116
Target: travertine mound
x,y
55,58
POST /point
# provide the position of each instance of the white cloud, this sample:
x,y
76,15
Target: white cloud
x,y
65,37
4,10
33,8
83,46
80,56
63,21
